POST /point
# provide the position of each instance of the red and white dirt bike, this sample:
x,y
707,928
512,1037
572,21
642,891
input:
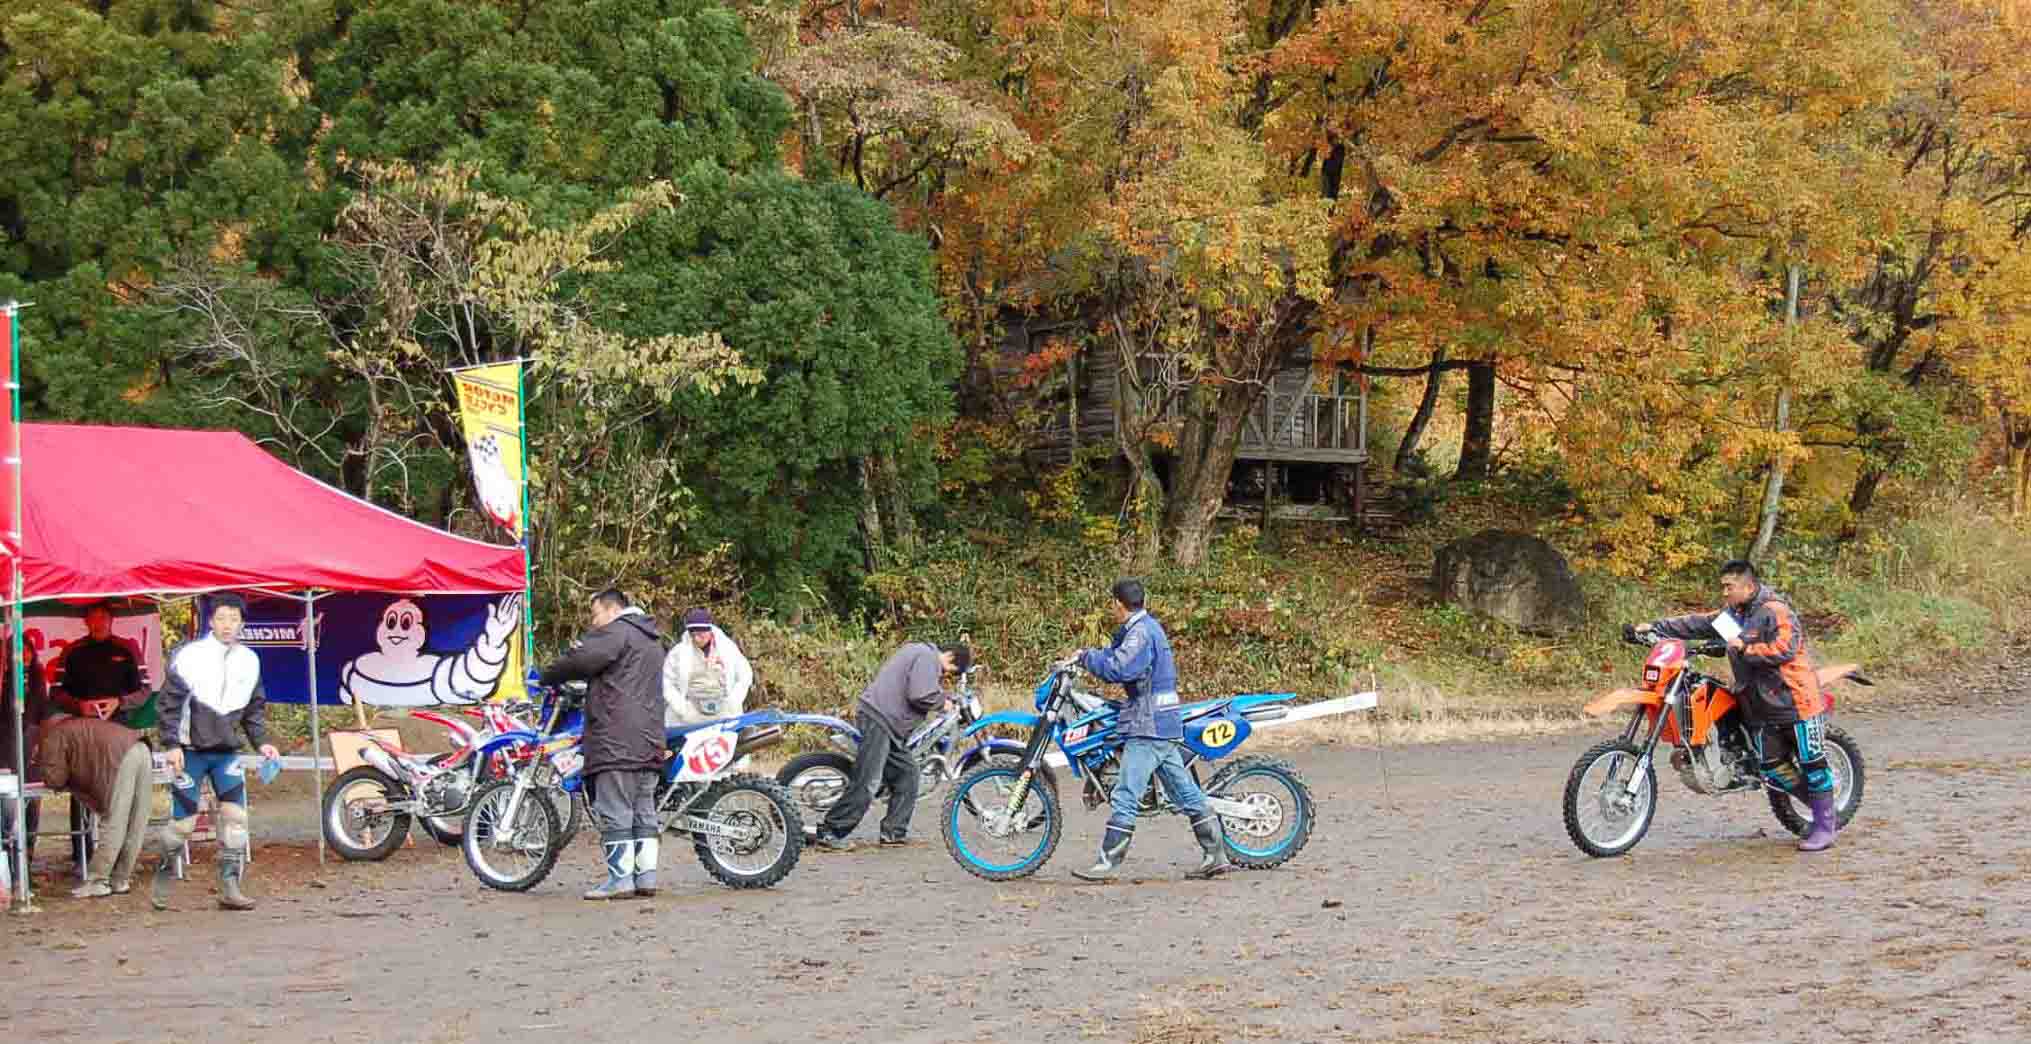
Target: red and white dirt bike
x,y
368,809
1611,794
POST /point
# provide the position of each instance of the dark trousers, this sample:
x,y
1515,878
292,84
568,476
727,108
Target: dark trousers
x,y
624,804
881,758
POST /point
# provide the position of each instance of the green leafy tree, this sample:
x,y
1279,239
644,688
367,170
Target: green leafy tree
x,y
815,287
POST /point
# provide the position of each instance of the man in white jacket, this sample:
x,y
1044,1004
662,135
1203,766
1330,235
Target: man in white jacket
x,y
705,676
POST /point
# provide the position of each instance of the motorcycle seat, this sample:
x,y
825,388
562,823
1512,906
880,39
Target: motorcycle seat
x,y
673,735
1193,712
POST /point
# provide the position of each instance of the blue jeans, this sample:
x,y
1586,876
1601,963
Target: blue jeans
x,y
1141,759
222,767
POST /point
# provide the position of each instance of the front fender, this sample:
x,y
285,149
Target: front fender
x,y
516,738
1021,719
978,755
1608,702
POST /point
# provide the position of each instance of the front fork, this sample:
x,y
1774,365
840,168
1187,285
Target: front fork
x,y
524,781
1649,744
1033,756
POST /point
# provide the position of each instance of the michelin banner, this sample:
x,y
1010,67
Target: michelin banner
x,y
490,409
389,650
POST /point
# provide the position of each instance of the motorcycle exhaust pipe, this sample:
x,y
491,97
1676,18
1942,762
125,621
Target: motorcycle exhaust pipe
x,y
755,739
372,754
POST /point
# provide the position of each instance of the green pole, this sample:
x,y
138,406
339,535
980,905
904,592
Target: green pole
x,y
23,901
528,582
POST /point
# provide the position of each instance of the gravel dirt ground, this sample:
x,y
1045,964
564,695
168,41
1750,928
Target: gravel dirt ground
x,y
1439,900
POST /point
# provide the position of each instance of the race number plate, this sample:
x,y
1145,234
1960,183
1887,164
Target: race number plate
x,y
707,752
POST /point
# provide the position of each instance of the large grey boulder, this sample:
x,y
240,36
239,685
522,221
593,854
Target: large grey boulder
x,y
1513,577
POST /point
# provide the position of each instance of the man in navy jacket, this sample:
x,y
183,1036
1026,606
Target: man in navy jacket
x,y
1140,662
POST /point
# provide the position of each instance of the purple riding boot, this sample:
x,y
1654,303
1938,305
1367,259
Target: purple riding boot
x,y
1825,824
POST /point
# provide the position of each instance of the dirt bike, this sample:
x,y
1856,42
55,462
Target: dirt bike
x,y
1015,803
744,828
368,808
818,778
1611,793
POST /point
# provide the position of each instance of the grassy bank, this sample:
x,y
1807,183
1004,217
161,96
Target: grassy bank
x,y
1313,611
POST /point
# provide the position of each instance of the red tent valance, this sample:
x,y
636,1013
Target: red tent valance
x,y
127,511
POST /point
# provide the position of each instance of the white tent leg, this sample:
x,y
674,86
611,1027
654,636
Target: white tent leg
x,y
316,766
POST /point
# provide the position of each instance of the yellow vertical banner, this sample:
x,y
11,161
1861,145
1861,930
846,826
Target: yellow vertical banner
x,y
490,410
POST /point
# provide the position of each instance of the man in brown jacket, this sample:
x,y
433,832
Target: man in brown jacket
x,y
106,766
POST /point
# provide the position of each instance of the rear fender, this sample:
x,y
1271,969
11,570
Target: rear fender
x,y
1609,702
462,735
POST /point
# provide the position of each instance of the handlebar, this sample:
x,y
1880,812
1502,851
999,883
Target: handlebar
x,y
1649,639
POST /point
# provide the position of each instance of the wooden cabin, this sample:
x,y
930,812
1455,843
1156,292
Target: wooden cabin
x,y
1303,452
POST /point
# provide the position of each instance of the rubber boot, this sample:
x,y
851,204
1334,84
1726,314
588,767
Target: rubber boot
x,y
1113,849
232,864
165,870
1825,824
620,869
1212,847
645,867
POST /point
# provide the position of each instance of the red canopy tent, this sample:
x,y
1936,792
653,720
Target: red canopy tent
x,y
110,512
130,511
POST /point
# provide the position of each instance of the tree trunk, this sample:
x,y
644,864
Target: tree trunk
x,y
2017,443
1773,485
1863,496
1477,442
870,513
1141,536
1206,450
898,521
1415,432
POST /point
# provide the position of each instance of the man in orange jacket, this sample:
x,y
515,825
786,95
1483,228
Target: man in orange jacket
x,y
1777,689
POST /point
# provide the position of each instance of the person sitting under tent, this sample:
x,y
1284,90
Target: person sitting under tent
x,y
36,712
106,768
102,675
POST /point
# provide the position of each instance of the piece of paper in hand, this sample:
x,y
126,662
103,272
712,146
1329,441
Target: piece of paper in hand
x,y
1727,626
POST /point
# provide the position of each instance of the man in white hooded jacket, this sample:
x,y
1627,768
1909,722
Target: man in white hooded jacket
x,y
705,676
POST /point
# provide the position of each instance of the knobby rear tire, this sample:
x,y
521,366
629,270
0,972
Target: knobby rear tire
x,y
1307,810
791,824
1786,808
341,840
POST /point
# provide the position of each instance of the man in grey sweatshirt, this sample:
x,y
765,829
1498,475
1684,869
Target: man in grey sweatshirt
x,y
909,686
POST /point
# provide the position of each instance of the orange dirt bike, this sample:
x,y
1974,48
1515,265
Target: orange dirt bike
x,y
1611,795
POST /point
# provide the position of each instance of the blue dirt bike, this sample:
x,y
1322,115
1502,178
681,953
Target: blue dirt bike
x,y
1002,821
745,828
817,779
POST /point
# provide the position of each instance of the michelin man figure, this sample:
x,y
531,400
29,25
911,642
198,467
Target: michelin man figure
x,y
402,672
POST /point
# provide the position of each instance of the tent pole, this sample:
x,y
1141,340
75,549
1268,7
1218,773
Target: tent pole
x,y
24,902
316,765
522,538
24,899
